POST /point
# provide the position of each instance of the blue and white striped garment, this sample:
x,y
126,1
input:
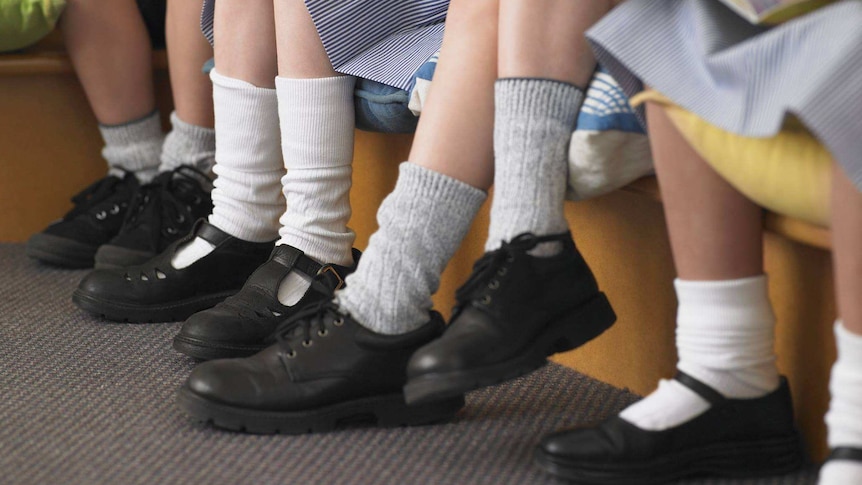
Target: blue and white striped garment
x,y
743,78
381,40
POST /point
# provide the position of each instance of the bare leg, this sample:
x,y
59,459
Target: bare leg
x,y
300,51
455,133
846,244
188,50
110,49
245,41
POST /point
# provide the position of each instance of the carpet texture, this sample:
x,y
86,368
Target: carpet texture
x,y
89,402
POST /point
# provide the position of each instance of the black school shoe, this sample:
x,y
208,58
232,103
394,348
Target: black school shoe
x,y
513,312
733,438
96,218
243,324
160,213
325,372
157,292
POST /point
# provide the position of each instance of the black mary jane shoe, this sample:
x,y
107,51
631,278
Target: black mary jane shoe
x,y
325,372
244,323
733,438
512,313
157,292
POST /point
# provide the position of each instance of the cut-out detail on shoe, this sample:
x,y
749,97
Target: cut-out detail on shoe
x,y
160,274
101,215
144,277
127,277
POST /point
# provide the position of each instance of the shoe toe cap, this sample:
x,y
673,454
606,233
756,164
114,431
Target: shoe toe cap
x,y
102,283
577,444
435,358
224,381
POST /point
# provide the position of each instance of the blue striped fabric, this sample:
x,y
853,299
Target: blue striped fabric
x,y
743,78
381,40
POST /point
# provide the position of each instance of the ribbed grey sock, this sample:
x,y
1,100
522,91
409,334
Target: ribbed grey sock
x,y
134,146
188,144
422,222
533,124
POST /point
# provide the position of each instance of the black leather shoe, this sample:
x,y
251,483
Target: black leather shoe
x,y
96,218
160,213
733,438
243,324
157,292
513,312
325,372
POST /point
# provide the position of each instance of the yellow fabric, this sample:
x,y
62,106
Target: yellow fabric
x,y
790,173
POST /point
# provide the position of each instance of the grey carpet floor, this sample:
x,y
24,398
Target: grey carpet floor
x,y
84,401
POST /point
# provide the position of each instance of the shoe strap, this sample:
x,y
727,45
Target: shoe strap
x,y
210,233
845,453
294,259
708,393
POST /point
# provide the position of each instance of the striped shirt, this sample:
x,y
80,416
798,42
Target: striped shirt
x,y
381,40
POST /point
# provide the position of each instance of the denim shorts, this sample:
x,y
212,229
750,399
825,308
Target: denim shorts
x,y
382,108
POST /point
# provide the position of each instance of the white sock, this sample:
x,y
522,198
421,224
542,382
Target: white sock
x,y
134,147
317,125
246,194
844,419
725,338
188,144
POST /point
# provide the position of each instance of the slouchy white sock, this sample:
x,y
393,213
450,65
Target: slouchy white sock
x,y
247,199
134,147
317,124
844,419
725,338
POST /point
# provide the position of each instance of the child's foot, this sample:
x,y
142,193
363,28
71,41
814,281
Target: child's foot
x,y
98,214
162,212
243,324
514,311
325,371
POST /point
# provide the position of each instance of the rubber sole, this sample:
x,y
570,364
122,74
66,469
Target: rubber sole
x,y
59,251
114,257
568,332
381,411
757,458
133,313
206,350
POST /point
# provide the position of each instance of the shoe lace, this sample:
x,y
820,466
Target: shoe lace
x,y
96,193
165,203
299,326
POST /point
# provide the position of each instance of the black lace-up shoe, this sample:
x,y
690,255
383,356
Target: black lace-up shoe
x,y
733,438
513,312
243,324
160,213
96,218
157,292
325,372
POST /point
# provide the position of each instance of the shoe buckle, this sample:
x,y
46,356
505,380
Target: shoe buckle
x,y
329,269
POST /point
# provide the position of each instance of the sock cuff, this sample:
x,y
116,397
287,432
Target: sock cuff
x,y
188,144
338,87
201,136
849,345
226,82
426,184
752,290
537,98
142,129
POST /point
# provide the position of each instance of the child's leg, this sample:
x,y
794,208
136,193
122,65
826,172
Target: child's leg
x,y
845,412
514,301
192,139
439,191
110,49
727,396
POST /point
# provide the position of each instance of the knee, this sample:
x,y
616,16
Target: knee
x,y
475,13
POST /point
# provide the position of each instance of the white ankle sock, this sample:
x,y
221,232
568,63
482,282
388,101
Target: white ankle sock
x,y
725,337
247,197
844,418
134,147
317,124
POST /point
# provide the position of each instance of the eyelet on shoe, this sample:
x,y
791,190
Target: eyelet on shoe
x,y
171,231
494,284
181,219
338,322
197,200
101,215
307,343
502,271
510,258
291,354
486,300
323,333
115,210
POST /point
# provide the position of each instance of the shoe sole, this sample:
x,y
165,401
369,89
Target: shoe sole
x,y
741,459
381,411
205,350
115,257
568,332
59,251
132,313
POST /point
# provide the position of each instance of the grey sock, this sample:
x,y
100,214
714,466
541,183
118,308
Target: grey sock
x,y
134,147
188,144
533,124
422,222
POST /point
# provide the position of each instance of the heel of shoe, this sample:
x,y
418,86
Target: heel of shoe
x,y
773,456
583,324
